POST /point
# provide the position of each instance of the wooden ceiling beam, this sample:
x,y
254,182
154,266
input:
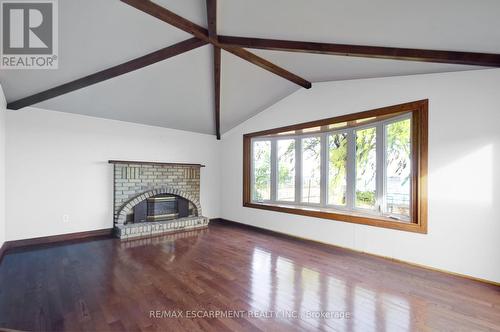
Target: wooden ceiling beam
x,y
181,23
393,53
127,67
217,58
212,35
263,63
169,17
212,19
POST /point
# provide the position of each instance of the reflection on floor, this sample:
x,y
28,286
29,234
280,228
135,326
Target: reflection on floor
x,y
235,279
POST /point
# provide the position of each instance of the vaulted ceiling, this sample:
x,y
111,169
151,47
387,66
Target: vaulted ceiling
x,y
179,92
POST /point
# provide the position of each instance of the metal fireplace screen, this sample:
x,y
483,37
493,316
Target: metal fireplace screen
x,y
161,207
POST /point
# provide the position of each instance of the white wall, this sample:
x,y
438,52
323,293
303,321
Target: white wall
x,y
3,105
464,164
57,164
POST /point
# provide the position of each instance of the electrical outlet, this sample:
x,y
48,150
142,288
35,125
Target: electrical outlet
x,y
65,218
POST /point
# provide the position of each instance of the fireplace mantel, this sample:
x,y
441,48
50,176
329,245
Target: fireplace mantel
x,y
135,162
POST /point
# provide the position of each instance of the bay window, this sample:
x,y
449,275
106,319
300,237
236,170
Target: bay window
x,y
365,168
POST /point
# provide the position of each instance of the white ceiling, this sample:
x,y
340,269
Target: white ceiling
x,y
155,95
459,25
178,92
246,90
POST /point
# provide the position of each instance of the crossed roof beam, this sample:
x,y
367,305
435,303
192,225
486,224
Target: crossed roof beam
x,y
210,36
236,45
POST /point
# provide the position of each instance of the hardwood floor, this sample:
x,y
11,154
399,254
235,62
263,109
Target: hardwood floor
x,y
104,284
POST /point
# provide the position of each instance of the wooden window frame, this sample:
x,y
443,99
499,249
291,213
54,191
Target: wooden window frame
x,y
419,138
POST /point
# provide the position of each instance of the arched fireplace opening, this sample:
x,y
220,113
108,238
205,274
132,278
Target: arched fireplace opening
x,y
162,207
161,204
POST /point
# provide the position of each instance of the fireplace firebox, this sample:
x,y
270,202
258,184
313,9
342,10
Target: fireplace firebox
x,y
161,208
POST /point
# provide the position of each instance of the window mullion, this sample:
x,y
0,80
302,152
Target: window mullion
x,y
351,168
298,169
274,170
252,170
323,169
380,171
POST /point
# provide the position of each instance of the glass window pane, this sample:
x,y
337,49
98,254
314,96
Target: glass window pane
x,y
286,170
262,170
366,167
337,168
311,167
398,167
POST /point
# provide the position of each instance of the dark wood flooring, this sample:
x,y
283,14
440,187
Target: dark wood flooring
x,y
278,284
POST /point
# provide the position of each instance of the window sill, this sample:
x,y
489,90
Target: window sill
x,y
338,215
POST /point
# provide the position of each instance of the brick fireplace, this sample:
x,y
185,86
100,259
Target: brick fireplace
x,y
155,198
